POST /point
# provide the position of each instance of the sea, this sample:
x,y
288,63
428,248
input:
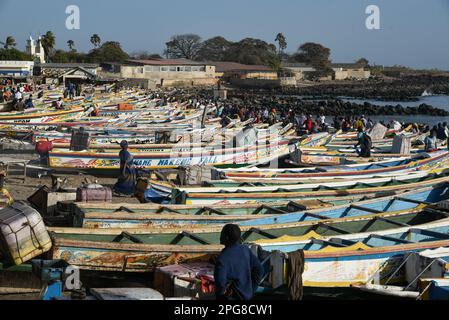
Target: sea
x,y
437,101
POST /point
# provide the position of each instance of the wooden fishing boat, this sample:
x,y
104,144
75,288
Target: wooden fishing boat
x,y
422,161
209,196
330,261
24,117
221,157
376,214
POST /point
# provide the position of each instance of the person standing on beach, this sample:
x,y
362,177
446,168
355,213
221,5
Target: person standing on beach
x,y
127,178
237,270
365,143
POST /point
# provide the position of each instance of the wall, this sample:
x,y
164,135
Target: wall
x,y
17,68
171,78
145,72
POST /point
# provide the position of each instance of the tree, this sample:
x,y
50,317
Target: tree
x,y
364,62
144,55
282,43
108,52
317,56
185,46
9,43
71,44
251,51
214,49
13,54
95,40
48,42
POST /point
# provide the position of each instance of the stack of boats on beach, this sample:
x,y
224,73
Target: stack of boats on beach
x,y
356,219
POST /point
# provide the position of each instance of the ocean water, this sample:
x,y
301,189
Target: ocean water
x,y
437,101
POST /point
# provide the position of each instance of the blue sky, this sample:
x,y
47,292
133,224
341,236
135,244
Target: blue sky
x,y
413,32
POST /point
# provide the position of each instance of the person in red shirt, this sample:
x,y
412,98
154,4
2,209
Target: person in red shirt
x,y
308,124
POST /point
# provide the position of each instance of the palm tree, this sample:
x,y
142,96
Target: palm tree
x,y
280,39
71,44
9,43
48,42
95,40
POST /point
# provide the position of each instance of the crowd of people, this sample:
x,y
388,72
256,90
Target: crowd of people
x,y
19,96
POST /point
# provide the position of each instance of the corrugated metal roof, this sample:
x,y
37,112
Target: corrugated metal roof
x,y
68,65
227,66
166,62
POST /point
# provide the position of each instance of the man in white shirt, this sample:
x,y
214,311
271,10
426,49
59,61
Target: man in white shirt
x,y
18,95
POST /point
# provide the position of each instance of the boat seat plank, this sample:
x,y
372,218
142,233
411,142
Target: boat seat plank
x,y
332,228
162,209
329,243
126,235
388,238
412,201
260,232
430,233
315,215
185,234
361,208
124,209
396,223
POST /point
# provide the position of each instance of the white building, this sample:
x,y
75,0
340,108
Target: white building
x,y
35,49
16,69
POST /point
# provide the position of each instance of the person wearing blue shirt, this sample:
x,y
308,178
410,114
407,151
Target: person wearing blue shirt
x,y
29,102
237,270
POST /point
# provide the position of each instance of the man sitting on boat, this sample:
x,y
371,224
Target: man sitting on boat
x,y
127,179
237,270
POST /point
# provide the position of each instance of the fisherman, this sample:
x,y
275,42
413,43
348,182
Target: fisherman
x,y
71,90
308,124
442,133
237,270
29,102
365,143
430,142
127,179
272,117
359,125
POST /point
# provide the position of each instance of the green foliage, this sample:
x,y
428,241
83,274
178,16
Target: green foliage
x,y
95,40
110,51
315,55
282,43
214,49
13,54
71,44
48,42
251,51
144,55
364,62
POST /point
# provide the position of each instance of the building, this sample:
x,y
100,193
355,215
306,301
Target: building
x,y
299,70
232,70
342,71
16,69
59,73
169,72
35,50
